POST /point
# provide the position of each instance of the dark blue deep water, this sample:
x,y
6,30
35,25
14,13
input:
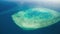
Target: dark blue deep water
x,y
7,26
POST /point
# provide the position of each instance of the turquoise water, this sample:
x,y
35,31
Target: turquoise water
x,y
35,18
9,27
42,15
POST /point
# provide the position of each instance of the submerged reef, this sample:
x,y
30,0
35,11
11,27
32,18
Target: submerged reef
x,y
35,18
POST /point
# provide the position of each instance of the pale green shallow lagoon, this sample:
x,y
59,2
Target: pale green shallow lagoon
x,y
35,18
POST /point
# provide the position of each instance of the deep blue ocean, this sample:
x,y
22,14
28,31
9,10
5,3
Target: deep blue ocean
x,y
7,25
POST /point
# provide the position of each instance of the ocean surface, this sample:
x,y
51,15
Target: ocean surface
x,y
7,25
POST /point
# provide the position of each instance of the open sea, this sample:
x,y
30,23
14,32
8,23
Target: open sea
x,y
7,25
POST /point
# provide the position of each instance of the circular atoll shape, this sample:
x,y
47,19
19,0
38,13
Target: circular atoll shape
x,y
35,18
